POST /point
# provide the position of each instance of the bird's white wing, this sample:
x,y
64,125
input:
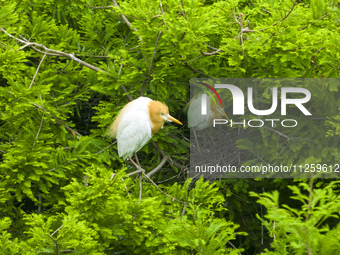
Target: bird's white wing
x,y
195,118
134,131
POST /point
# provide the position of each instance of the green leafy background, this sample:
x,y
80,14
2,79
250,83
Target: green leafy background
x,y
63,69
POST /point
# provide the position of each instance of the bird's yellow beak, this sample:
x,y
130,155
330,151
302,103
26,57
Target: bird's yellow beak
x,y
174,120
221,110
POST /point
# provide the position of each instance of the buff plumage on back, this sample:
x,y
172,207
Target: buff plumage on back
x,y
114,126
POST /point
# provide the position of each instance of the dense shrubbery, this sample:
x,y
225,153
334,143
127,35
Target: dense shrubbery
x,y
67,68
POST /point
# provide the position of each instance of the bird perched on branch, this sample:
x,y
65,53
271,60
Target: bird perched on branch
x,y
137,122
214,109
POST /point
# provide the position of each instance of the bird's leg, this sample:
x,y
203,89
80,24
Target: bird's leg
x,y
134,163
140,175
209,136
137,159
140,178
198,147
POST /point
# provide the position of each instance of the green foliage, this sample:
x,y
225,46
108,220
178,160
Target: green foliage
x,y
58,193
206,236
297,230
7,244
71,235
154,224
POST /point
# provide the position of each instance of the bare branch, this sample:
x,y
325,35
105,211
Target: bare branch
x,y
213,48
124,17
161,6
170,160
140,170
99,7
56,230
288,13
210,53
159,167
57,53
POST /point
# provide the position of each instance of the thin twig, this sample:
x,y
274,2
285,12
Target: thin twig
x,y
36,137
154,53
240,23
279,133
56,230
72,160
59,121
124,17
210,53
136,172
129,174
133,48
151,64
184,209
86,181
99,7
195,70
211,47
39,206
313,58
265,11
173,198
142,171
287,14
302,28
195,58
170,160
94,56
287,137
36,72
309,198
107,147
140,186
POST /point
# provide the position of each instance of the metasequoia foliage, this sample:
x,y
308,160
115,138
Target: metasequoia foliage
x,y
68,67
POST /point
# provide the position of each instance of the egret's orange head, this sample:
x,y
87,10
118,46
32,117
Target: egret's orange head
x,y
159,113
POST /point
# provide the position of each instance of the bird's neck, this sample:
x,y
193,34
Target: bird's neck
x,y
155,126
